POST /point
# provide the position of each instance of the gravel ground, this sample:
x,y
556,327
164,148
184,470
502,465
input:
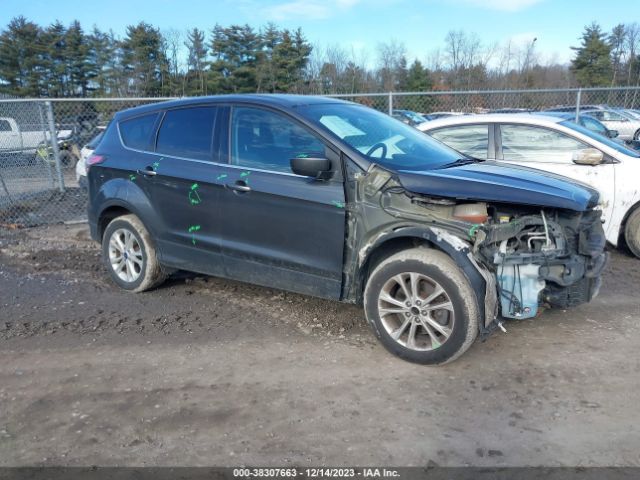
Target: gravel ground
x,y
204,371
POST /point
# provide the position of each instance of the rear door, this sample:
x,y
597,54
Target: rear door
x,y
280,229
181,180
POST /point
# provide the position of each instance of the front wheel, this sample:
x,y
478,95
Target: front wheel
x,y
422,307
130,255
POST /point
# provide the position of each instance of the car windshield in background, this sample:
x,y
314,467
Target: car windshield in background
x,y
381,138
601,138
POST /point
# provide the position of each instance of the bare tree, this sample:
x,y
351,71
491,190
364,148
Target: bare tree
x,y
391,56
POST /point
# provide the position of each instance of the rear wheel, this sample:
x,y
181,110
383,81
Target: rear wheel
x,y
422,307
632,232
130,255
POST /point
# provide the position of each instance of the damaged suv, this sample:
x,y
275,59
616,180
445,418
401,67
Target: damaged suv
x,y
333,199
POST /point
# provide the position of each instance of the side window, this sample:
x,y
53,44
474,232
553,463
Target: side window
x,y
5,126
612,116
471,140
268,141
187,132
136,132
598,114
535,144
594,125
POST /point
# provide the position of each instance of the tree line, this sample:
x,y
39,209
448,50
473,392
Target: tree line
x,y
68,61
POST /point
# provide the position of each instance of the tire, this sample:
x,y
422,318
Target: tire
x,y
138,268
431,269
636,136
632,232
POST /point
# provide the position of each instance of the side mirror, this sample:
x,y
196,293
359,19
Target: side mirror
x,y
612,133
311,167
588,156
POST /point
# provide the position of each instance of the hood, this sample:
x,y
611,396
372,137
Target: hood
x,y
494,182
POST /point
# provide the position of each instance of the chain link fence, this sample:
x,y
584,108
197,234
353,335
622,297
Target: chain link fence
x,y
42,141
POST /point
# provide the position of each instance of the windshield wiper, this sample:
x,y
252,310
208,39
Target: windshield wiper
x,y
462,161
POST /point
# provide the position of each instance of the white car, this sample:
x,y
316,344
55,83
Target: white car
x,y
85,152
627,125
559,146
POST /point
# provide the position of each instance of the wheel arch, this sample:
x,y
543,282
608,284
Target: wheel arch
x,y
410,237
623,224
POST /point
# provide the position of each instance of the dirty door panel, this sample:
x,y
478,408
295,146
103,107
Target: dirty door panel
x,y
185,190
279,229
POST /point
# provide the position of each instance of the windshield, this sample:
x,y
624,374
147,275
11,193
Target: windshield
x,y
381,138
601,138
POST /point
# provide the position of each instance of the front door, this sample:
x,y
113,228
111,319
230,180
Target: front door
x,y
552,151
280,229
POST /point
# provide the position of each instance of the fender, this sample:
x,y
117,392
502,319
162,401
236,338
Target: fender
x,y
458,249
119,192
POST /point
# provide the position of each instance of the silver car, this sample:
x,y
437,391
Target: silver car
x,y
627,125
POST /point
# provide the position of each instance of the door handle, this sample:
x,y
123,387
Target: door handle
x,y
240,186
147,172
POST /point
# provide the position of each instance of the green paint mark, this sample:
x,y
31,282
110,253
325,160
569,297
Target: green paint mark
x,y
473,230
244,174
155,165
192,230
302,155
220,177
337,203
194,196
132,178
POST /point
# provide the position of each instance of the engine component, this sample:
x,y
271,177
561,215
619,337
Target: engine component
x,y
471,212
519,287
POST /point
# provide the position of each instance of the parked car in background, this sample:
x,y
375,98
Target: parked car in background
x,y
510,110
410,117
586,121
14,140
572,108
436,115
626,125
556,145
85,153
334,199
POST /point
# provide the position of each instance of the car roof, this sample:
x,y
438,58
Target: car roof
x,y
529,118
268,99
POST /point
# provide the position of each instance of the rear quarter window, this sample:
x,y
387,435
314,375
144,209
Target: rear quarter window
x,y
136,132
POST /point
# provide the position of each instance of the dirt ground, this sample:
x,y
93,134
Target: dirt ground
x,y
204,371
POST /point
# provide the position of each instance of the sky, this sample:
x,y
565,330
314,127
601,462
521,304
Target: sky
x,y
356,25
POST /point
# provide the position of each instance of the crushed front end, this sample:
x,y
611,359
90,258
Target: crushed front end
x,y
519,257
550,258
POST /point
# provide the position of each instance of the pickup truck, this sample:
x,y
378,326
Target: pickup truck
x,y
13,139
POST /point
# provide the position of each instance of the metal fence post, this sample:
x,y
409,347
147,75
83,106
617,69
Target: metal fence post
x,y
390,103
53,138
43,126
578,100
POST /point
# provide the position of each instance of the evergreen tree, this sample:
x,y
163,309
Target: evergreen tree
x,y
57,76
22,59
143,60
418,79
196,62
592,63
235,50
76,52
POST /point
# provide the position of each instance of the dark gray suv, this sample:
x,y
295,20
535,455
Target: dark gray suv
x,y
333,199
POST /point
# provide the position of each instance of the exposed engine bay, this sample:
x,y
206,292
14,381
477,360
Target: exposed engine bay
x,y
530,257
